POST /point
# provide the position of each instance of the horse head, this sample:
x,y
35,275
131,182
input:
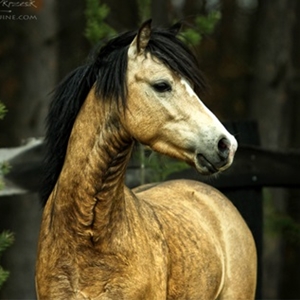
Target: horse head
x,y
165,113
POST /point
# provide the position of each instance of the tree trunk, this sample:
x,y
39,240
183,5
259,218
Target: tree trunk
x,y
160,14
271,107
123,16
290,288
72,46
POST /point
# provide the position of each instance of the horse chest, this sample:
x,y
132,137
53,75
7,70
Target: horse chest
x,y
133,265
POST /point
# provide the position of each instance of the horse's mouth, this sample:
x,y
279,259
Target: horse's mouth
x,y
204,166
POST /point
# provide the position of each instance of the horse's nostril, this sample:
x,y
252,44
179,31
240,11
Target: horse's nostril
x,y
223,147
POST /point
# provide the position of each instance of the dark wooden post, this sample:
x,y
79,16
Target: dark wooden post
x,y
248,200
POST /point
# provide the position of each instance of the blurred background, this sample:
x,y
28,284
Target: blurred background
x,y
249,51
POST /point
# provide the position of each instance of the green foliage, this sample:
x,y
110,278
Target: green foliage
x,y
286,225
276,223
207,24
204,25
4,169
6,240
191,36
163,166
2,110
96,27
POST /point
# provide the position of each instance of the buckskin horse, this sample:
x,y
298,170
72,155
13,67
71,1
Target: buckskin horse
x,y
173,240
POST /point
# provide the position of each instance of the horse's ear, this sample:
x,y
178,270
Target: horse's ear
x,y
141,40
175,29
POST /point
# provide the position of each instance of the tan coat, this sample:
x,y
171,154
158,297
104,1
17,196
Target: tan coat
x,y
179,240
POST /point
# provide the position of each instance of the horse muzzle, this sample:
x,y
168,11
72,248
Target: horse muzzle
x,y
218,159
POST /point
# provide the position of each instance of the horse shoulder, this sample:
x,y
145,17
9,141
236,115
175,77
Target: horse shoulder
x,y
200,223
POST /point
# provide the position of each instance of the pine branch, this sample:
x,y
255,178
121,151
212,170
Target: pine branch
x,y
2,110
96,27
3,276
6,240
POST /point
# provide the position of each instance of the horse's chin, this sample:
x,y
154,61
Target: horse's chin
x,y
205,171
204,166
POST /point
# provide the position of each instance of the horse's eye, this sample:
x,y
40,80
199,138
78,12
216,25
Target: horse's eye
x,y
162,87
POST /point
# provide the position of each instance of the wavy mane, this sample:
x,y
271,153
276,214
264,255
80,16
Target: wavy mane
x,y
107,70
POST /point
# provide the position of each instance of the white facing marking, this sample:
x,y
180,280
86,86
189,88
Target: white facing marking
x,y
218,124
188,87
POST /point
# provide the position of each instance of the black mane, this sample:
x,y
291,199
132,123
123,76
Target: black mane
x,y
107,69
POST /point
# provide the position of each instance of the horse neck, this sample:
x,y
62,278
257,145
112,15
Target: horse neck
x,y
90,189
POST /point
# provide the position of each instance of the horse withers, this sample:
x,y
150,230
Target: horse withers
x,y
173,240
